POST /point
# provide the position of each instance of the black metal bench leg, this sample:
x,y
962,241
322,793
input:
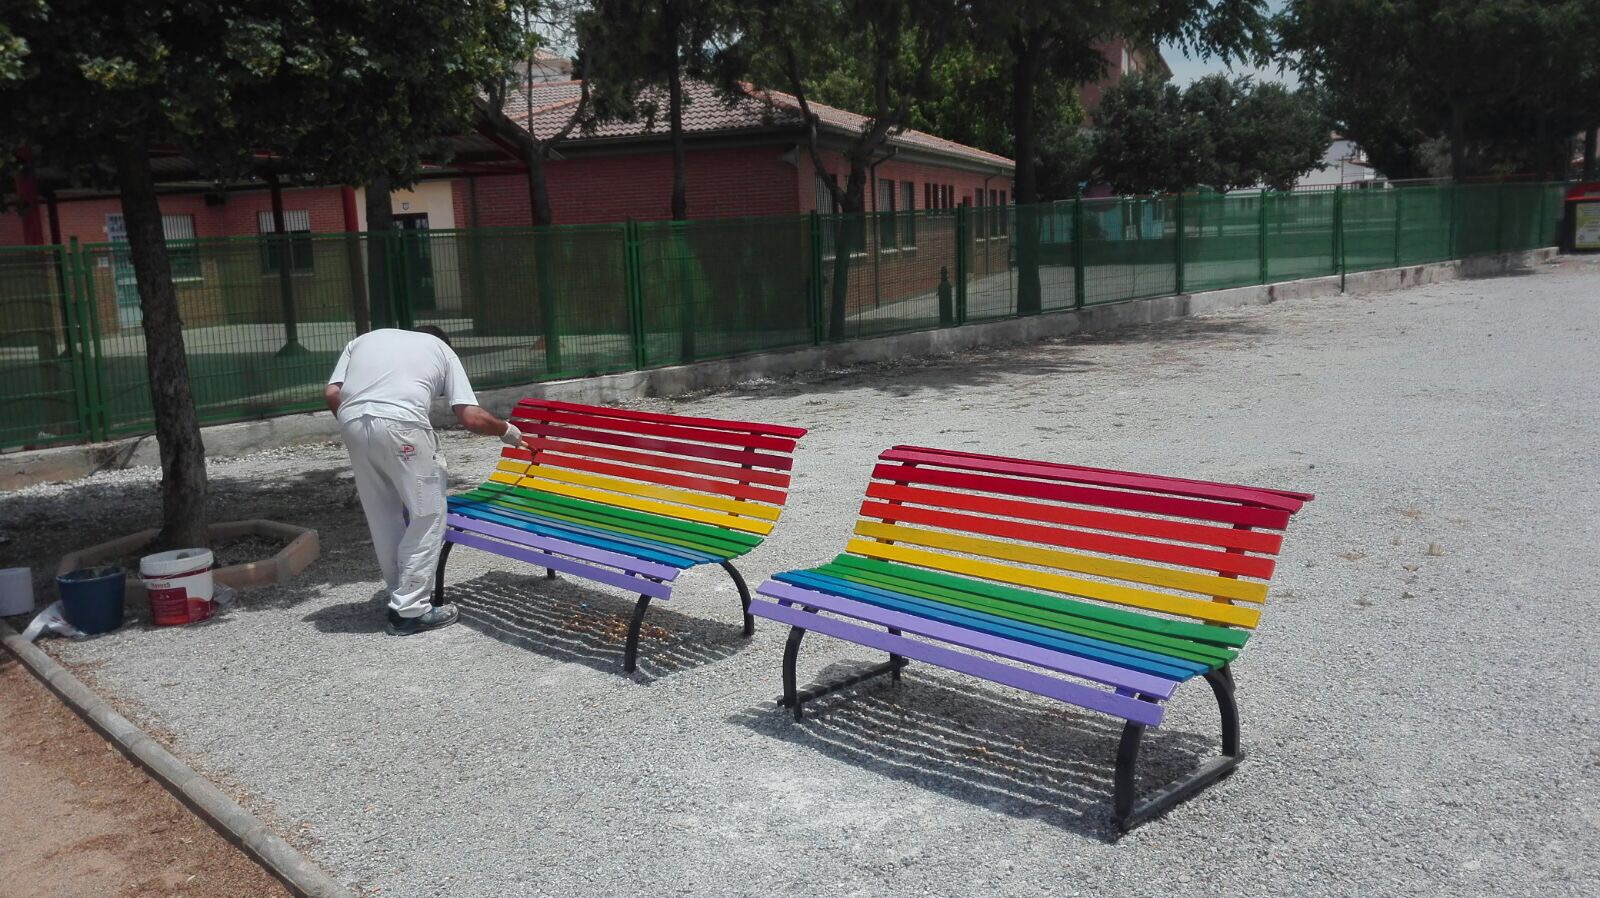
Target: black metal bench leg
x,y
438,573
896,661
630,654
794,698
791,690
549,573
1129,813
744,598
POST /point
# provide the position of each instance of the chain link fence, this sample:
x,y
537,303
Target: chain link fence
x,y
266,317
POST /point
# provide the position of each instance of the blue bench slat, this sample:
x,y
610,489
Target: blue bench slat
x,y
618,560
619,542
1110,674
654,588
1077,693
1165,666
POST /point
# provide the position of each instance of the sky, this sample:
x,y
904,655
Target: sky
x,y
1185,70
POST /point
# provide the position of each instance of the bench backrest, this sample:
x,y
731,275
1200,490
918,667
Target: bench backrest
x,y
727,474
1188,548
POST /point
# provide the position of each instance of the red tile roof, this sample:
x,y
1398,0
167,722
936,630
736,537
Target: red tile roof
x,y
707,111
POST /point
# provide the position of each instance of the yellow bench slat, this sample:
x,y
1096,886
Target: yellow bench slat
x,y
1205,584
683,513
699,500
1200,609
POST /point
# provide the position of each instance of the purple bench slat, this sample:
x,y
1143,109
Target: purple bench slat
x,y
1089,669
1142,712
644,585
587,553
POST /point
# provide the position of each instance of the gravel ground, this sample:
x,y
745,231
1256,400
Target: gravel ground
x,y
1419,704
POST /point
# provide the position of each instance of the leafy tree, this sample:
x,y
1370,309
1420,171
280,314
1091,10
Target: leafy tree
x,y
1220,132
1502,84
636,49
1144,139
330,92
896,42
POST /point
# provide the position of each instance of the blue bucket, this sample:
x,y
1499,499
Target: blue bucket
x,y
92,598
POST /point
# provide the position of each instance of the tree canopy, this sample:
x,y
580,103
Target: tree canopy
x,y
1500,85
332,92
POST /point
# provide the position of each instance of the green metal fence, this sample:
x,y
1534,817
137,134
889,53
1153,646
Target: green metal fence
x,y
265,317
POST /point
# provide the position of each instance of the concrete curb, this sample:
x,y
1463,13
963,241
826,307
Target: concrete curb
x,y
20,469
225,815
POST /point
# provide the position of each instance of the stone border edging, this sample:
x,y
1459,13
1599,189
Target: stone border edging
x,y
304,878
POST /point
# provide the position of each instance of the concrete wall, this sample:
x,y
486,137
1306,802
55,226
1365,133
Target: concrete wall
x,y
70,462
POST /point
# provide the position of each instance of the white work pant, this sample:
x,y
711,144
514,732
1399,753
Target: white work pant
x,y
401,479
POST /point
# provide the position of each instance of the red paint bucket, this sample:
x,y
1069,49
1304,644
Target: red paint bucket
x,y
179,586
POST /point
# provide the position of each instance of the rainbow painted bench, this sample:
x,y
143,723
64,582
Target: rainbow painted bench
x,y
1104,589
625,498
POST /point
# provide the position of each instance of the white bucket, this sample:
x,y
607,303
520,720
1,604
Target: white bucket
x,y
16,591
179,586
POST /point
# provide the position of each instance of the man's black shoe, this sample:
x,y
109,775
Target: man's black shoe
x,y
434,618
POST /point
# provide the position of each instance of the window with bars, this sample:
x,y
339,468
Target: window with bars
x,y
887,238
994,213
828,209
178,232
297,222
1004,215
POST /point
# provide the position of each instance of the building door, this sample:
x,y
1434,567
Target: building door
x,y
127,286
416,249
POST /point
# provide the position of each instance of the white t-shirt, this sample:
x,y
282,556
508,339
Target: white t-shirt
x,y
396,375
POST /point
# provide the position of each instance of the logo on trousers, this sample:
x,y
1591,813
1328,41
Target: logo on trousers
x,y
407,450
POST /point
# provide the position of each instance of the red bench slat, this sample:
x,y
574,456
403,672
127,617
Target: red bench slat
x,y
708,469
671,447
1160,528
627,472
1177,486
650,428
1120,546
1220,512
715,423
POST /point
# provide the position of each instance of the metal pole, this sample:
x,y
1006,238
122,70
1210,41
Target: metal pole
x,y
962,263
634,290
1177,273
1398,217
818,322
1078,254
1261,234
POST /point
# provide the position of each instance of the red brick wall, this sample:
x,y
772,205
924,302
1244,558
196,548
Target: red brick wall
x,y
602,189
86,219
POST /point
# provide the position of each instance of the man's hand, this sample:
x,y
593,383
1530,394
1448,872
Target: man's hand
x,y
479,421
330,395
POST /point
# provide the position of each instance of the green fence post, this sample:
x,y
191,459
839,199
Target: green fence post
x,y
1500,218
1177,272
633,286
961,264
94,371
814,296
400,284
1078,253
72,334
1452,191
1261,235
1398,217
1338,227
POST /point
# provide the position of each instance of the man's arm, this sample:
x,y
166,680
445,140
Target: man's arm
x,y
478,420
330,395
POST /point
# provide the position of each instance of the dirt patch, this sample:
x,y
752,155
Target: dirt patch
x,y
79,819
224,552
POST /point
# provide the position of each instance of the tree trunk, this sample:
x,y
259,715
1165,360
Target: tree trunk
x,y
1025,192
847,239
183,455
380,225
544,261
1458,141
680,191
538,188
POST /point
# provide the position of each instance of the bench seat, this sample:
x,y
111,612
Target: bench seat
x,y
1104,589
630,499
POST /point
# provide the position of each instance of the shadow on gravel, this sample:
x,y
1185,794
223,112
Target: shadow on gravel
x,y
565,620
993,365
982,745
